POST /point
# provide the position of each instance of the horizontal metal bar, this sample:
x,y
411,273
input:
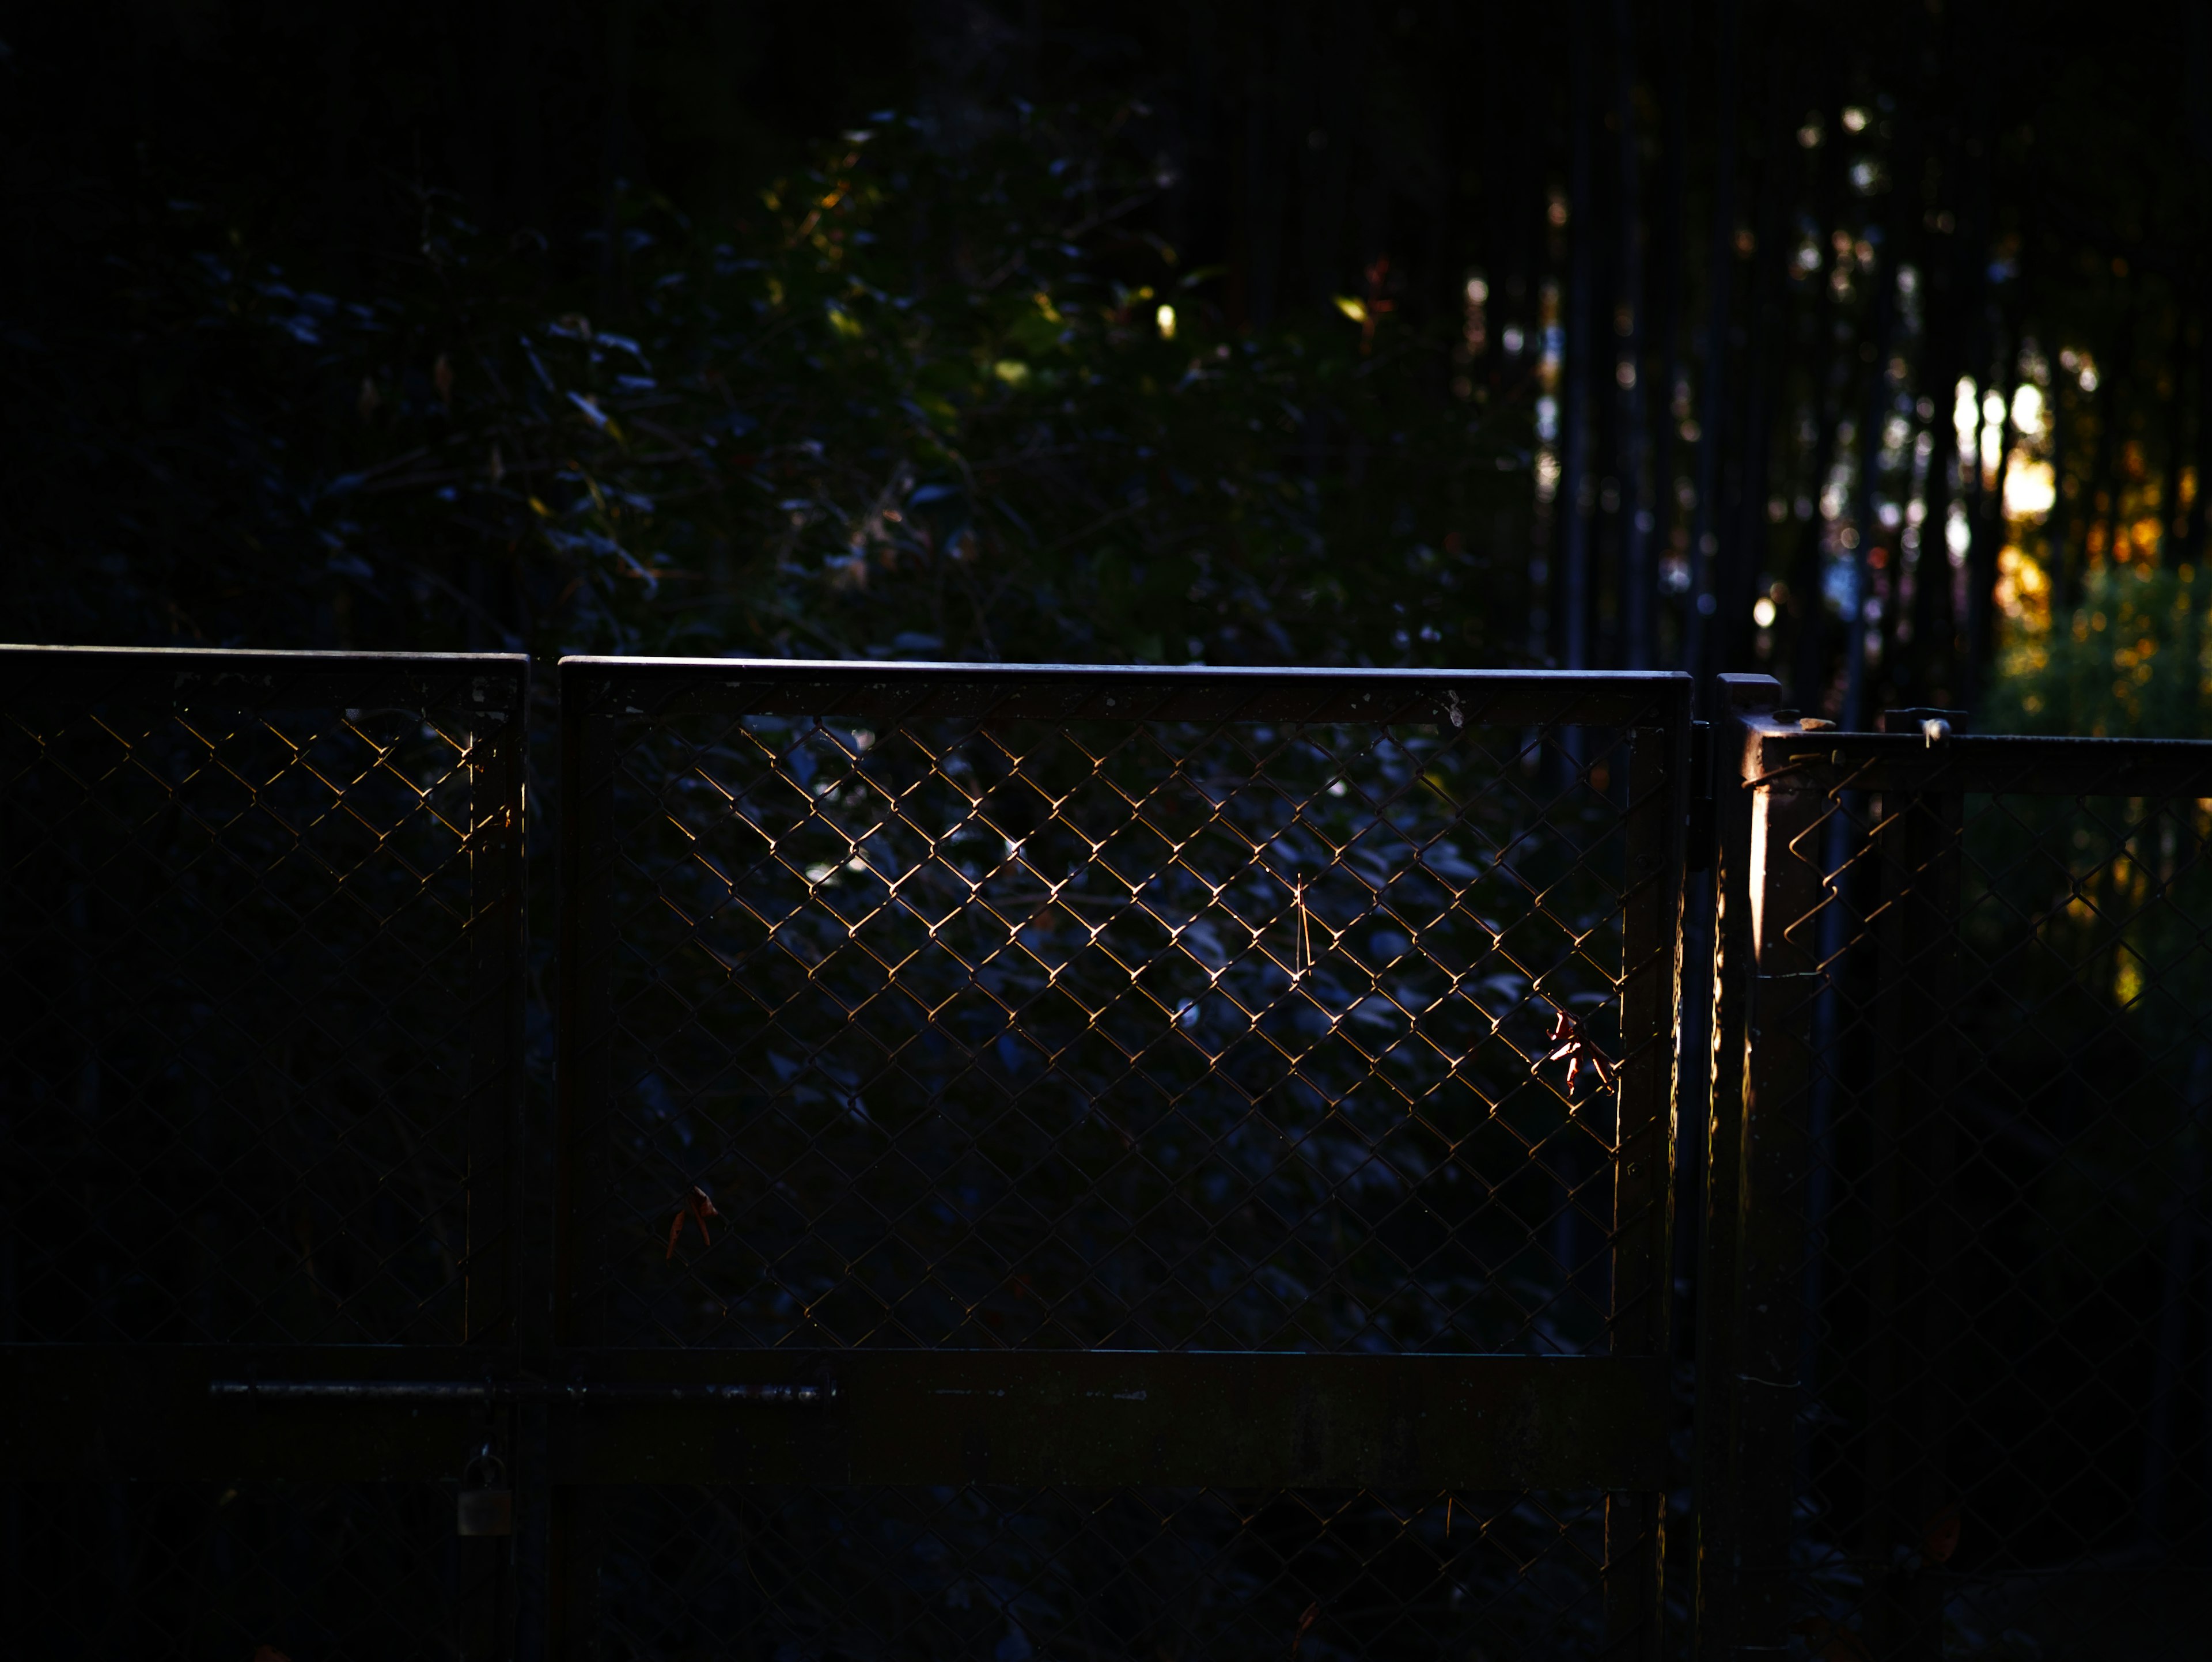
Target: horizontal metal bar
x,y
1786,757
490,684
1262,1420
659,687
464,1392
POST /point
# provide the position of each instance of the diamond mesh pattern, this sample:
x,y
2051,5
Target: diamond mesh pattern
x,y
2003,1449
244,1023
988,1028
1012,1574
1143,1033
992,1031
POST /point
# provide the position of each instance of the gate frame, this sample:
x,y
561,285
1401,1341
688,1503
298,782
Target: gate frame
x,y
91,1411
1776,777
1594,1422
575,1416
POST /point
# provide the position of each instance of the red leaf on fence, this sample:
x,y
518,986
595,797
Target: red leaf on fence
x,y
1571,1046
1939,1537
1313,1611
697,1205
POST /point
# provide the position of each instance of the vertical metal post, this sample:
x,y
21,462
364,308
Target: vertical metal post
x,y
582,1085
1713,1463
1789,890
493,1113
1879,1110
1644,1178
495,935
1766,981
1910,1318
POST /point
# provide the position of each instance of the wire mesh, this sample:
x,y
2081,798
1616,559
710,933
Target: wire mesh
x,y
2002,1448
956,1021
259,965
1151,1034
248,1019
1011,1574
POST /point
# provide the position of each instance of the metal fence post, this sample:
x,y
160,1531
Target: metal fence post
x,y
494,1259
1766,981
1643,1169
1908,1107
1714,1464
587,808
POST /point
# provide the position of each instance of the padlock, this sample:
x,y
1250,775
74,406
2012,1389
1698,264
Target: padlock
x,y
487,1507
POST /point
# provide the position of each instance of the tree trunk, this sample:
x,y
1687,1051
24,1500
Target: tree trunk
x,y
1874,414
622,36
1989,531
2103,494
1666,316
1933,677
338,215
1574,504
2192,549
2172,530
1636,580
1744,543
1808,597
1696,634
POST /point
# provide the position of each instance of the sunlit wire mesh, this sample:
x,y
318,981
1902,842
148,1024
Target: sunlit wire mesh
x,y
979,1032
2003,1448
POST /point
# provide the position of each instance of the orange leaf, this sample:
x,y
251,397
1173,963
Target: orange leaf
x,y
1940,1535
697,1205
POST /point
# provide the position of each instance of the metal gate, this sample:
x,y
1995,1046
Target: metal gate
x,y
1955,1229
1046,1162
1113,1093
260,938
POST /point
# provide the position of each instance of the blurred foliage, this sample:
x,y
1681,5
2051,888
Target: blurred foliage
x,y
2129,661
928,405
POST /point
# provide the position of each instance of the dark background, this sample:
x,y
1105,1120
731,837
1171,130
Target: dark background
x,y
244,236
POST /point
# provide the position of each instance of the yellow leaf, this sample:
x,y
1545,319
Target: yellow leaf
x,y
540,509
1012,371
1354,309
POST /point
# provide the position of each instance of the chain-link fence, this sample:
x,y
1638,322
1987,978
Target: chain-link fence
x,y
1082,1010
1966,1375
261,920
1077,1163
1008,1573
